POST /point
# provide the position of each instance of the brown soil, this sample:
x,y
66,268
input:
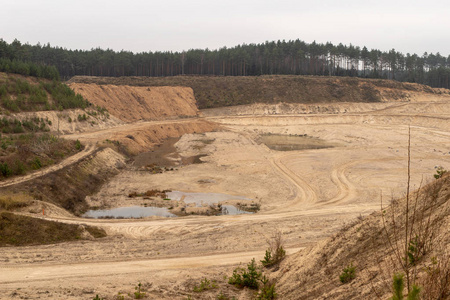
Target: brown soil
x,y
163,155
140,103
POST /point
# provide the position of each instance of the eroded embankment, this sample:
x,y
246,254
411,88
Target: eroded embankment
x,y
71,121
220,91
132,103
69,186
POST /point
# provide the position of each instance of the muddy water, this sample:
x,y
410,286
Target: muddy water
x,y
166,155
129,212
281,142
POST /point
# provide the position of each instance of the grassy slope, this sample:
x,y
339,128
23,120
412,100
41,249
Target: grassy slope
x,y
69,186
23,147
17,230
21,154
227,91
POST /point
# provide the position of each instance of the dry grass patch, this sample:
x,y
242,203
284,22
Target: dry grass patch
x,y
13,201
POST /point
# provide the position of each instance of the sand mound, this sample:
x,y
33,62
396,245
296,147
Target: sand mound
x,y
131,103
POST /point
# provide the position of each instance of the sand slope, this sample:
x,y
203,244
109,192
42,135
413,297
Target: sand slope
x,y
140,103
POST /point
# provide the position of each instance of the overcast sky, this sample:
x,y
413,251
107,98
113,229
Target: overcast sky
x,y
174,25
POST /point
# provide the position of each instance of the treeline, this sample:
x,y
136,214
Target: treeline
x,y
20,95
281,57
28,68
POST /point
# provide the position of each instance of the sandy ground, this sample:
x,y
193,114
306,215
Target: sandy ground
x,y
308,195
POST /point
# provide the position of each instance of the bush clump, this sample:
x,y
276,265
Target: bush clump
x,y
275,253
348,274
246,277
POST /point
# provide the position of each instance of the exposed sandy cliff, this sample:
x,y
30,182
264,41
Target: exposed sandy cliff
x,y
135,103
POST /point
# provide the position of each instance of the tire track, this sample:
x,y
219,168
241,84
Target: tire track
x,y
346,190
35,272
305,194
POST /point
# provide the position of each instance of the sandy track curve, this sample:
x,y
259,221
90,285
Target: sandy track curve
x,y
50,272
346,189
305,194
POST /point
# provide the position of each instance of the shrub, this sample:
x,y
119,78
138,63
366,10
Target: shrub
x,y
82,118
78,145
440,171
205,284
138,294
398,286
246,278
276,253
36,164
5,170
348,274
267,291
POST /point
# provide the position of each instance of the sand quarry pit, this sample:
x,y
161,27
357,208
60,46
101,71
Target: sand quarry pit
x,y
307,194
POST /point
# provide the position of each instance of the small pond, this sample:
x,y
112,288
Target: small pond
x,y
129,212
280,142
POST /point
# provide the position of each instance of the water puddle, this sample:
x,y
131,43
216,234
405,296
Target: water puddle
x,y
128,213
212,199
280,142
233,210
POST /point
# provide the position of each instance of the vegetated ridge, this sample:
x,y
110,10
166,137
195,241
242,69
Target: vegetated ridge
x,y
213,92
133,103
25,93
68,187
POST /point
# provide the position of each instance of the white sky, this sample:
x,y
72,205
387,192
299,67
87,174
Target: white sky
x,y
174,25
